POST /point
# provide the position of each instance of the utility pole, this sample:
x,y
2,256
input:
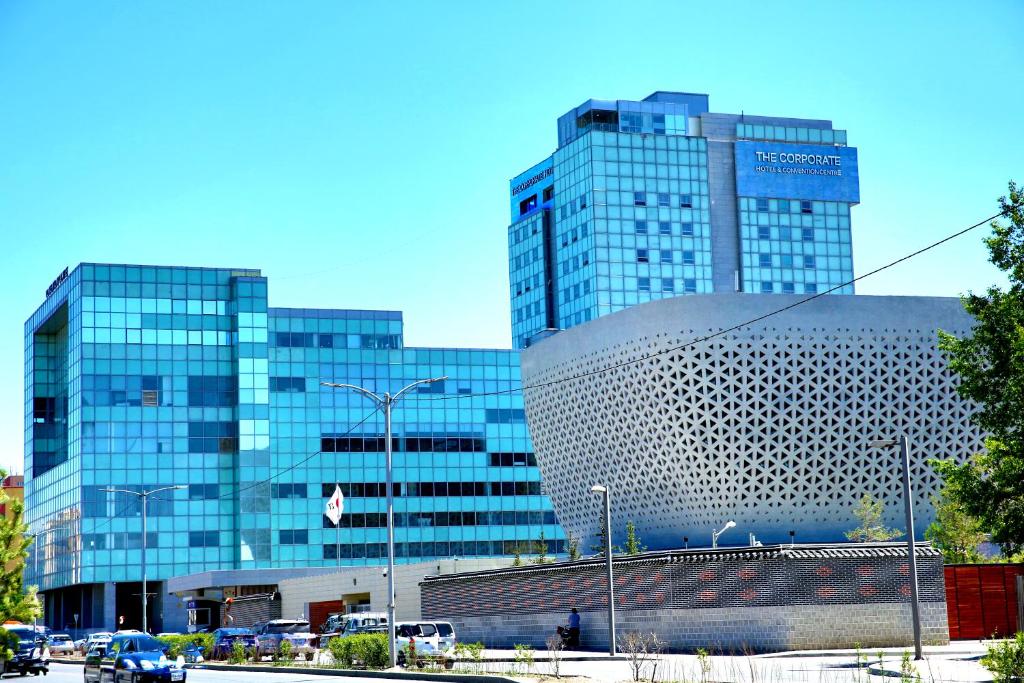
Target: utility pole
x,y
144,498
385,403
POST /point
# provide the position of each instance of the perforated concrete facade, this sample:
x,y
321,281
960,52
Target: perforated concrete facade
x,y
766,425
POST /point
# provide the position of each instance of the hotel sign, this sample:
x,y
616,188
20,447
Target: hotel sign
x,y
788,171
58,281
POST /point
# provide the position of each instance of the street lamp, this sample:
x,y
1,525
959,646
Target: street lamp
x,y
716,533
915,607
385,402
608,564
144,497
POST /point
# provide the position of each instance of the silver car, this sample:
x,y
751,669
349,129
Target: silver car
x,y
295,631
61,644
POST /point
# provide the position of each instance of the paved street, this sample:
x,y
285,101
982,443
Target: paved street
x,y
955,663
72,673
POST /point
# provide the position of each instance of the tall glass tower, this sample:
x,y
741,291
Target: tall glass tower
x,y
660,198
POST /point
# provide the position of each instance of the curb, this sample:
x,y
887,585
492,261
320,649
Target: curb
x,y
351,673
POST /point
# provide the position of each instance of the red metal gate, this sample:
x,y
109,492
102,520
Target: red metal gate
x,y
982,600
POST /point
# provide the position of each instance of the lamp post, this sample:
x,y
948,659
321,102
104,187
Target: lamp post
x,y
716,533
908,508
144,497
385,402
608,564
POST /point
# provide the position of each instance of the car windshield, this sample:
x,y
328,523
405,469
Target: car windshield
x,y
234,632
140,644
59,638
407,630
295,627
427,630
445,630
24,634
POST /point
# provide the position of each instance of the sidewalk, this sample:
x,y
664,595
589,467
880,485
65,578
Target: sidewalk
x,y
954,663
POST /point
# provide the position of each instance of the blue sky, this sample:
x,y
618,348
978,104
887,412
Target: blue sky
x,y
359,153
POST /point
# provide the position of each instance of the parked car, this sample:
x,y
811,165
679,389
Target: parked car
x,y
99,639
340,624
421,635
61,643
133,658
32,655
295,631
445,637
224,640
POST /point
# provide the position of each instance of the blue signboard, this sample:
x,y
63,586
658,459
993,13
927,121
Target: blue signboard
x,y
531,183
787,171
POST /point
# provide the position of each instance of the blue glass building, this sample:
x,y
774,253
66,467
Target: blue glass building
x,y
139,377
659,198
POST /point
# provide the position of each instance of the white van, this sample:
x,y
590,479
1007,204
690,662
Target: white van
x,y
445,637
421,634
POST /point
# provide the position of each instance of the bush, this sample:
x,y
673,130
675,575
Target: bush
x,y
369,650
177,644
1005,659
284,652
239,653
8,645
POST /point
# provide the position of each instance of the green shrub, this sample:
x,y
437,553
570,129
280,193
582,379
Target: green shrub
x,y
1005,659
368,650
177,644
284,652
239,654
8,645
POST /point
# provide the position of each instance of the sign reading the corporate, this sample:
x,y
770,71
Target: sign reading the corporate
x,y
531,181
787,171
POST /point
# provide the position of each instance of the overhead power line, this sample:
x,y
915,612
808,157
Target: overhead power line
x,y
707,337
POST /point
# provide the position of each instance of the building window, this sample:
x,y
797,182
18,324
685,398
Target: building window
x,y
640,227
811,288
788,288
686,201
665,228
809,262
764,260
666,256
766,287
528,205
690,286
667,285
689,258
783,206
807,234
764,232
583,201
549,193
202,539
641,256
644,284
293,536
687,229
787,260
664,199
762,204
806,207
639,199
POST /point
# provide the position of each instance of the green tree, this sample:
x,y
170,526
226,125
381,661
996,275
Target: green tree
x,y
16,603
540,549
633,545
990,365
869,513
955,533
598,548
517,556
573,547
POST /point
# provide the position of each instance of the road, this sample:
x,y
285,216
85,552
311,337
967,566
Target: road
x,y
72,673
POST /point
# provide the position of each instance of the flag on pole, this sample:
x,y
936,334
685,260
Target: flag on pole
x,y
335,506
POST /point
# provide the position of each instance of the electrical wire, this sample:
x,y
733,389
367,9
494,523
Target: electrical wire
x,y
699,340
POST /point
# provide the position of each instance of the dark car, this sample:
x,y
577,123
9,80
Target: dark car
x,y
224,640
133,658
32,655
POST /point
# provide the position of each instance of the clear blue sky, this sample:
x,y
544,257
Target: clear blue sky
x,y
359,153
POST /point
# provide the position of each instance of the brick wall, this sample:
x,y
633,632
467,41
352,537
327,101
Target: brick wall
x,y
777,598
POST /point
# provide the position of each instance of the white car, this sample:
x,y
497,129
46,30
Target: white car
x,y
61,644
421,635
295,631
98,639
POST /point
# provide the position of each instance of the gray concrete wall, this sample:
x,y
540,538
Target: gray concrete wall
x,y
761,629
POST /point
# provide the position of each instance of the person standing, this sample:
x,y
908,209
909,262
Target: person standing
x,y
574,628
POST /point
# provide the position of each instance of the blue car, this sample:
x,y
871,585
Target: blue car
x,y
31,656
224,640
133,658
